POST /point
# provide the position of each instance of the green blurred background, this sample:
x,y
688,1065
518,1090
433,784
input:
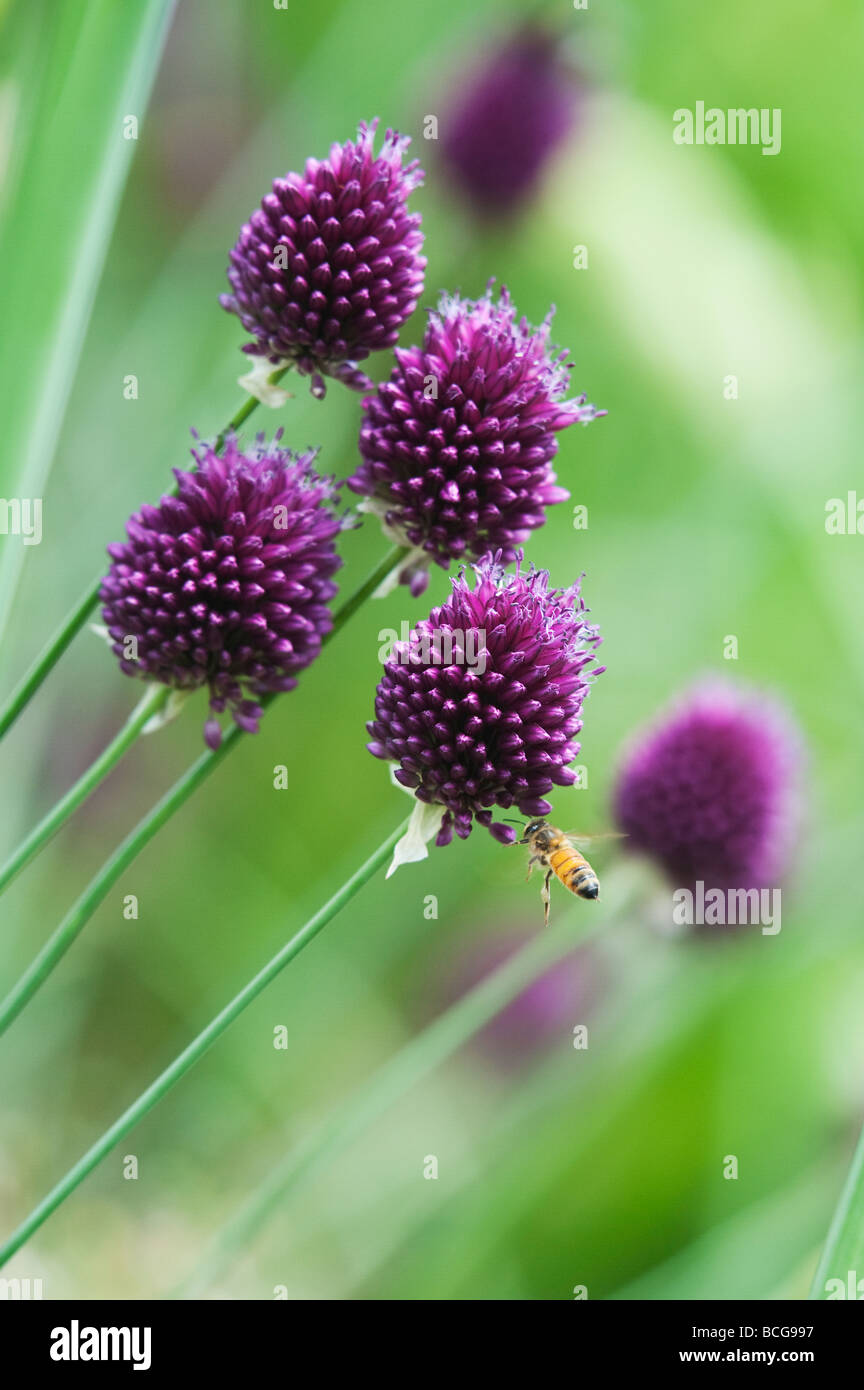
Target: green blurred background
x,y
603,1167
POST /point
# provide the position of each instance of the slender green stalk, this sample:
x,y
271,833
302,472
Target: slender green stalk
x,y
196,1049
844,1248
95,892
426,1051
155,697
382,571
49,656
97,889
72,625
241,415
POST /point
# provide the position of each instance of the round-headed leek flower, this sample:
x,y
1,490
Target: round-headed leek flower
x,y
710,792
481,705
543,1016
328,269
457,446
226,584
512,112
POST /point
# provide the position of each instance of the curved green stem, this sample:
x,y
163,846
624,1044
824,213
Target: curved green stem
x,y
426,1051
49,656
79,915
382,571
242,413
196,1049
152,702
844,1247
72,625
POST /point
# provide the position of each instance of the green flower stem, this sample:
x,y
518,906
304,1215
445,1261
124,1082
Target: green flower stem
x,y
249,406
196,1049
152,702
79,915
844,1247
426,1051
95,892
154,699
72,625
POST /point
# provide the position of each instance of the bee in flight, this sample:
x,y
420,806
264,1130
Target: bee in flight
x,y
555,852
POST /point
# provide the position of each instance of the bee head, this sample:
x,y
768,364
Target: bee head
x,y
527,830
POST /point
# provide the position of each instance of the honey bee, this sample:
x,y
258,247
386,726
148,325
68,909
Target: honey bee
x,y
555,852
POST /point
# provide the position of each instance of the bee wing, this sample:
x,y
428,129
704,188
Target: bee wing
x,y
588,841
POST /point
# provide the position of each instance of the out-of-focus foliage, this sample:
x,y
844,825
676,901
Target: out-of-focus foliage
x,y
71,78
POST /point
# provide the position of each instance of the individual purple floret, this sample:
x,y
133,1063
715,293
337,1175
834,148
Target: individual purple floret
x,y
510,115
709,793
328,269
481,706
457,446
226,585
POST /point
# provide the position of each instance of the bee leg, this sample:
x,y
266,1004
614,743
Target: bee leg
x,y
544,893
535,859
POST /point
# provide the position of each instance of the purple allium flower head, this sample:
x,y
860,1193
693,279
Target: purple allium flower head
x,y
543,1015
480,707
511,114
226,585
464,469
710,792
329,267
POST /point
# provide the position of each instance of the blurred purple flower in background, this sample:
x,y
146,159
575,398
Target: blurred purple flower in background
x,y
226,585
329,267
710,792
474,725
542,1017
509,116
457,446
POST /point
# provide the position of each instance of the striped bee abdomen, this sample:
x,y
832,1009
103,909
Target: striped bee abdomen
x,y
573,870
